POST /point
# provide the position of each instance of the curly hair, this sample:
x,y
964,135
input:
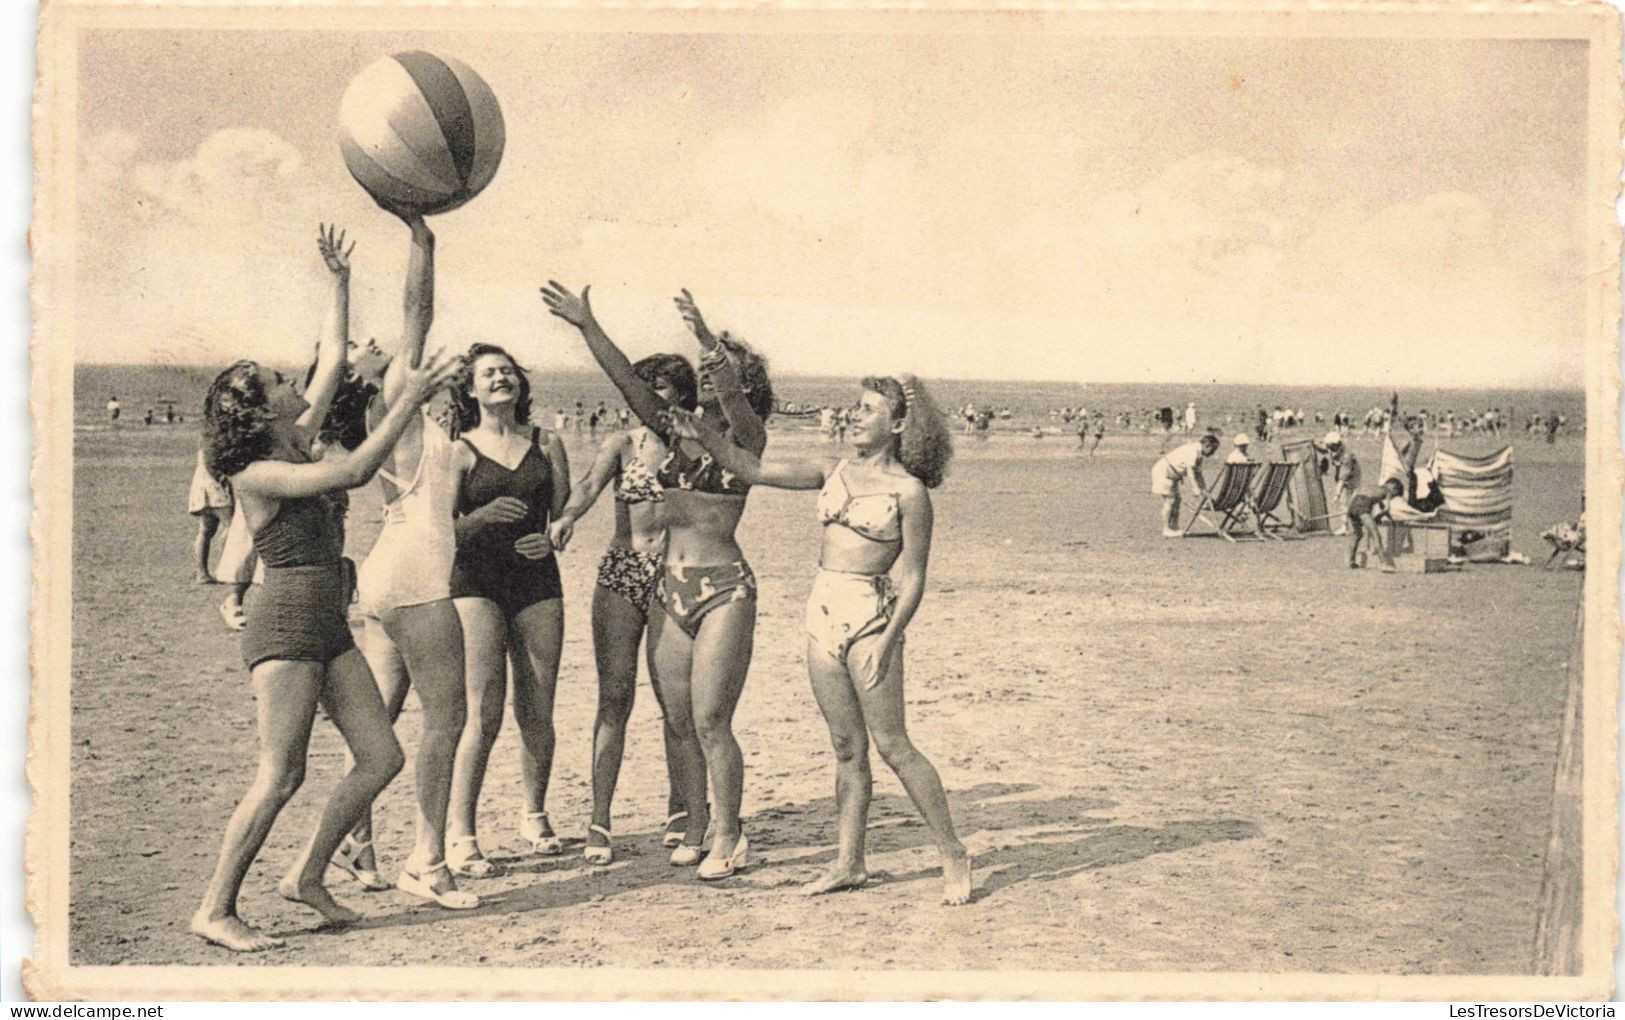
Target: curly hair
x,y
676,371
925,446
346,421
236,421
752,368
466,413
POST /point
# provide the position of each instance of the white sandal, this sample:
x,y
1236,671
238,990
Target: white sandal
x,y
347,858
685,856
673,837
599,854
418,885
544,846
716,867
467,865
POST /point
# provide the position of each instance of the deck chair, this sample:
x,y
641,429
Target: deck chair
x,y
1477,501
1227,497
1266,498
1306,495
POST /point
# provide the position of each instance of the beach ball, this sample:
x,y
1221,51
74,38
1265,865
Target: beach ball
x,y
420,131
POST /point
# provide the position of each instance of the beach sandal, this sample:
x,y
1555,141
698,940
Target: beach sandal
x,y
473,863
543,846
418,885
685,856
715,867
347,858
673,837
599,854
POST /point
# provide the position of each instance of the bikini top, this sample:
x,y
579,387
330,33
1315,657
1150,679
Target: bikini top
x,y
697,474
531,480
875,515
639,484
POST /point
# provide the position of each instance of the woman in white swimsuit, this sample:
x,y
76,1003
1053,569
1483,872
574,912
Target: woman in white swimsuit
x,y
877,517
405,586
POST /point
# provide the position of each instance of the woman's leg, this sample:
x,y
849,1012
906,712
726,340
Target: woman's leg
x,y
389,671
485,665
617,630
721,660
285,702
430,638
671,660
837,700
350,696
883,711
207,525
535,641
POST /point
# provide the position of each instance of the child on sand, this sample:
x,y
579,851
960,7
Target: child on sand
x,y
1365,516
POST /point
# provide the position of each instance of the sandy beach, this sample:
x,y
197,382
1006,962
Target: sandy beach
x,y
1183,755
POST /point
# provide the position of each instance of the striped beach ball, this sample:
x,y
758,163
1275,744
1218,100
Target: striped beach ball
x,y
421,132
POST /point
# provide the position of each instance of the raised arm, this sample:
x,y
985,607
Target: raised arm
x,y
778,472
418,305
919,520
277,479
577,311
747,428
582,497
332,349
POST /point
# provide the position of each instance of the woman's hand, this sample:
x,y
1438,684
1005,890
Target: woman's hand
x,y
696,322
534,546
436,370
560,532
684,424
502,510
873,662
330,242
577,311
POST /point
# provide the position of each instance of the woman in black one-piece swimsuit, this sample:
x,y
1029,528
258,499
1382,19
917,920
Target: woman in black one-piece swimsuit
x,y
514,479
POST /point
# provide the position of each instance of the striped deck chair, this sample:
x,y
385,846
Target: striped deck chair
x,y
1266,497
1477,495
1226,497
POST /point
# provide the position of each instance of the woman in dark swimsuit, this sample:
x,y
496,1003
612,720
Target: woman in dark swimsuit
x,y
297,640
701,642
627,577
514,478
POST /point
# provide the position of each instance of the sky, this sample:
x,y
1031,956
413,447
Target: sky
x,y
1001,206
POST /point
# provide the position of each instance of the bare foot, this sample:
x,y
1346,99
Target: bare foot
x,y
231,933
956,878
836,879
316,897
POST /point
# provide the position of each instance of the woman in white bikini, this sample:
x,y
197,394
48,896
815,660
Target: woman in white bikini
x,y
877,520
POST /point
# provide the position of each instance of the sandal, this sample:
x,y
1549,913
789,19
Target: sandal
x,y
673,837
347,858
716,867
418,885
685,856
598,854
544,846
472,864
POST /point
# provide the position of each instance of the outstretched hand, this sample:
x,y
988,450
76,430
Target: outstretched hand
x,y
330,242
696,322
577,311
435,371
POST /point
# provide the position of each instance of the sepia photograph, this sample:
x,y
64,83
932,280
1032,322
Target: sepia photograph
x,y
800,503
